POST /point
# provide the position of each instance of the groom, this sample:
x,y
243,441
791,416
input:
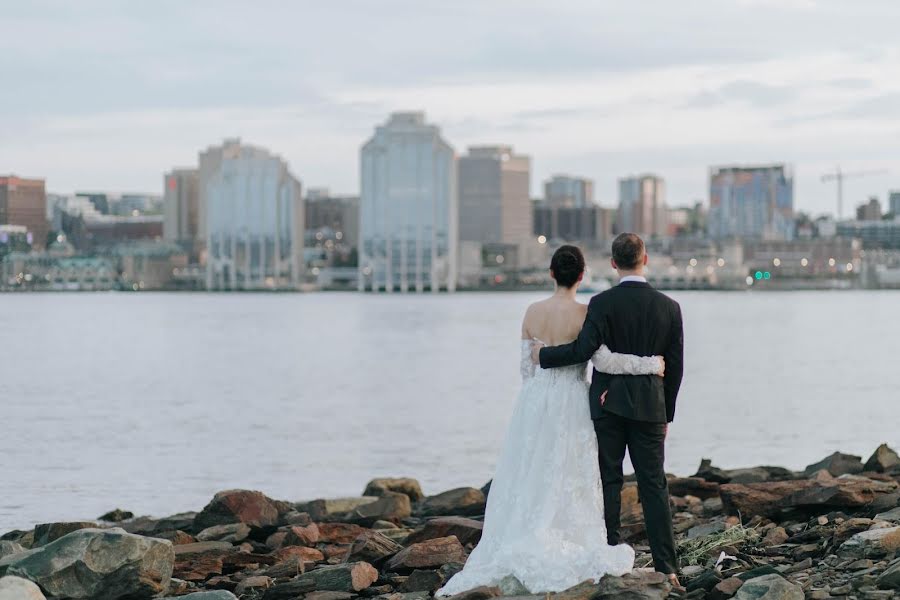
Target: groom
x,y
631,411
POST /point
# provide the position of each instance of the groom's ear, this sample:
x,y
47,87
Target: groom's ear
x,y
646,258
612,263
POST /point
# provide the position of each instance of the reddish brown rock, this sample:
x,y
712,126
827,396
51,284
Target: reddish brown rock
x,y
177,537
693,486
725,589
430,554
766,499
459,502
467,531
339,533
198,561
309,556
238,506
775,537
301,536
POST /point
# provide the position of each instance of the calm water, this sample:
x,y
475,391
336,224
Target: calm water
x,y
154,402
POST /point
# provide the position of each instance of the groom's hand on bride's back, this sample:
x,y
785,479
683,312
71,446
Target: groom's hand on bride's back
x,y
536,352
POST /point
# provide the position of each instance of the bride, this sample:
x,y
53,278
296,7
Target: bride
x,y
544,518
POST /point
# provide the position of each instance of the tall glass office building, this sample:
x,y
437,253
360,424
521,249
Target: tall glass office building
x,y
408,205
253,212
751,202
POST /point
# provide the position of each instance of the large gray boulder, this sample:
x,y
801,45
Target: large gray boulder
x,y
99,563
873,543
769,587
8,548
16,588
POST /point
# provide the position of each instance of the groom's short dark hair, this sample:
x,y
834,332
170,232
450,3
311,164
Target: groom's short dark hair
x,y
628,250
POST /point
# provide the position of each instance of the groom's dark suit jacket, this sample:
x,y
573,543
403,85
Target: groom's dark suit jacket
x,y
631,318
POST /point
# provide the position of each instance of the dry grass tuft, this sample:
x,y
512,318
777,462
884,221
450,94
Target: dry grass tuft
x,y
698,550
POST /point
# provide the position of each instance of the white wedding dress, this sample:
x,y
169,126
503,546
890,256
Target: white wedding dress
x,y
544,518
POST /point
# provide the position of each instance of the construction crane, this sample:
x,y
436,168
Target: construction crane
x,y
839,176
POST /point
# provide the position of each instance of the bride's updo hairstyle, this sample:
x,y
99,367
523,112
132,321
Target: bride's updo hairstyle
x,y
567,265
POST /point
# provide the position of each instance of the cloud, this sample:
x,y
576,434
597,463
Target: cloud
x,y
113,93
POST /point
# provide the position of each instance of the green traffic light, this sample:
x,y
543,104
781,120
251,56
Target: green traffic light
x,y
767,275
759,275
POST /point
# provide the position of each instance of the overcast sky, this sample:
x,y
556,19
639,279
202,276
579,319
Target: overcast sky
x,y
109,95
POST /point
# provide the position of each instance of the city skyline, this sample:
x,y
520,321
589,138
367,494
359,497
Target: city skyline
x,y
597,101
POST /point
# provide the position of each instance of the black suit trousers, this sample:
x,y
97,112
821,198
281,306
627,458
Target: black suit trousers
x,y
645,443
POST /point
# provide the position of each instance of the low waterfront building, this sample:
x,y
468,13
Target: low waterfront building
x,y
804,259
873,234
590,225
151,265
57,268
13,238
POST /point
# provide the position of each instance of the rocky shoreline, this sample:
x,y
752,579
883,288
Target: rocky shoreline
x,y
830,531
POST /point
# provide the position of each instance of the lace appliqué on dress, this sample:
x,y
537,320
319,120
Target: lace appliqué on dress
x,y
526,367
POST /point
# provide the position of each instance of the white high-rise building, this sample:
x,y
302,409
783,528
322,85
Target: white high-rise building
x,y
253,217
408,206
